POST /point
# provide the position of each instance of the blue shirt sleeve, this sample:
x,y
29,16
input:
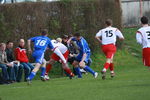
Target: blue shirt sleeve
x,y
33,39
73,39
83,43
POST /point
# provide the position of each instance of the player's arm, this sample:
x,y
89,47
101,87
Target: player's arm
x,y
70,39
98,36
119,34
138,37
84,54
56,51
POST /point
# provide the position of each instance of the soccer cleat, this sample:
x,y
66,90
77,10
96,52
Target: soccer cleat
x,y
95,75
43,79
112,75
71,75
103,75
46,77
28,81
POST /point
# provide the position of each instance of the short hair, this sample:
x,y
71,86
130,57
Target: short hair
x,y
44,32
59,40
8,42
144,20
64,37
108,22
77,34
1,44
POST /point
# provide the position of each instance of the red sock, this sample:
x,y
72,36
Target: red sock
x,y
68,71
111,67
48,68
106,65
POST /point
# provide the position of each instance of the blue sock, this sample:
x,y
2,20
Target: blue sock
x,y
87,68
77,69
31,76
43,70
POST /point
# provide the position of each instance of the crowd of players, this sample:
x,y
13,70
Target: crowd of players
x,y
73,49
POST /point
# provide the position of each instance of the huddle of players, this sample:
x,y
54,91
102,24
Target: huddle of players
x,y
107,38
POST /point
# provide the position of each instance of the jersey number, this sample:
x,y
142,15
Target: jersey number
x,y
41,42
109,33
148,34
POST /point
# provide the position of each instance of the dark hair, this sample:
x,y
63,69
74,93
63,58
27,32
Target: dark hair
x,y
144,20
77,34
108,22
8,42
44,32
64,36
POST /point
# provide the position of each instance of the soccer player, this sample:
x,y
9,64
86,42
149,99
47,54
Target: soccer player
x,y
84,55
40,45
143,38
107,37
54,57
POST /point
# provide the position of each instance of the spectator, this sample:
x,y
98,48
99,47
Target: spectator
x,y
20,53
18,68
5,65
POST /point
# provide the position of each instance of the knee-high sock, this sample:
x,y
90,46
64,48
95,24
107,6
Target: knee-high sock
x,y
48,68
111,67
68,71
106,65
43,70
77,69
31,76
87,68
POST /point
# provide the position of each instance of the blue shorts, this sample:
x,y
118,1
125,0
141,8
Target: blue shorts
x,y
38,56
80,55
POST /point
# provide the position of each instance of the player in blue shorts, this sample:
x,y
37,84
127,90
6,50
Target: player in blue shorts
x,y
40,45
83,57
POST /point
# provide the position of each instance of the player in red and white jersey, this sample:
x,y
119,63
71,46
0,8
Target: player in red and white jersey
x,y
64,50
143,38
107,37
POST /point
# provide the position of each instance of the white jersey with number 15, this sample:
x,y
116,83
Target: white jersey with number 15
x,y
109,35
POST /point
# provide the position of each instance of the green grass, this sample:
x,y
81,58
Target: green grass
x,y
131,82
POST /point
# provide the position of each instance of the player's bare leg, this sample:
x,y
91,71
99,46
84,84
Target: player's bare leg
x,y
33,73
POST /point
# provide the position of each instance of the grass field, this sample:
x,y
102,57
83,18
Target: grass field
x,y
132,80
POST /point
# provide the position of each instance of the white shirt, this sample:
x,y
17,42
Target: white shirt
x,y
109,35
60,46
143,36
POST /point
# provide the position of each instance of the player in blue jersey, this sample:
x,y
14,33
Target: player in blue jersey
x,y
40,45
83,57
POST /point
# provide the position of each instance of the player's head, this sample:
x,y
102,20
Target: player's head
x,y
9,44
44,32
108,22
59,40
144,20
77,36
65,38
21,42
2,46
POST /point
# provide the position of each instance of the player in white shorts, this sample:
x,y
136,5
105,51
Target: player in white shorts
x,y
64,50
107,37
143,38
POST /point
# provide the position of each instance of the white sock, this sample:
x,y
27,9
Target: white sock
x,y
104,69
112,72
